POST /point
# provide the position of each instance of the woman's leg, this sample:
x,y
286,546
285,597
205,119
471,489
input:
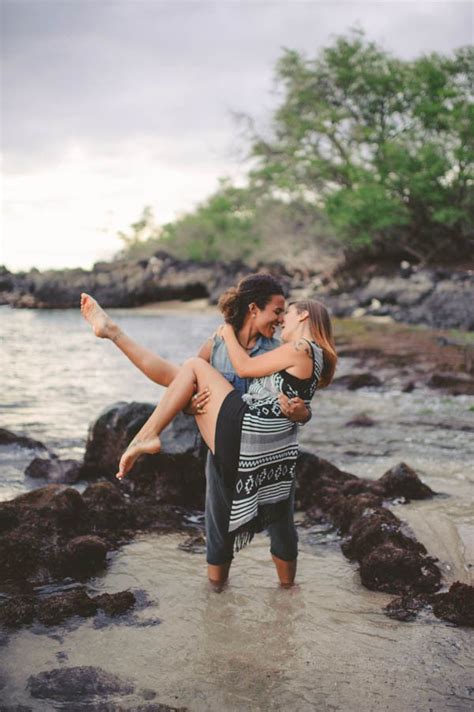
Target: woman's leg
x,y
219,542
154,367
284,543
194,372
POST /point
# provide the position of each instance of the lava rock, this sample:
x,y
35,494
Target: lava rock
x,y
407,608
458,383
114,604
55,609
393,570
354,381
17,611
107,508
55,470
375,527
7,437
84,556
75,684
361,420
402,481
457,605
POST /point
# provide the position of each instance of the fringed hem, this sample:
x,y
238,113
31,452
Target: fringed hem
x,y
267,514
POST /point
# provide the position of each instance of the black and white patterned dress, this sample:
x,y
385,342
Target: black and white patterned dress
x,y
268,449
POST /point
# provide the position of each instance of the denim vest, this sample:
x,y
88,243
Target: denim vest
x,y
221,361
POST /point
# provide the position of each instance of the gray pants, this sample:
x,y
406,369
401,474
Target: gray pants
x,y
220,543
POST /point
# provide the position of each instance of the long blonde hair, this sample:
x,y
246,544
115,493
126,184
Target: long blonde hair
x,y
321,331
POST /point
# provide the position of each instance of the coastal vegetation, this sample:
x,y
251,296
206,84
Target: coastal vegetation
x,y
366,154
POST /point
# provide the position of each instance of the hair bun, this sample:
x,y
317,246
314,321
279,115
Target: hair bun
x,y
229,304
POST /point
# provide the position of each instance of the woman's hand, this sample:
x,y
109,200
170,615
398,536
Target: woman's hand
x,y
294,409
197,404
226,330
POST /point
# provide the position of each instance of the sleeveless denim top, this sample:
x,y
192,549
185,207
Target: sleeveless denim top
x,y
221,361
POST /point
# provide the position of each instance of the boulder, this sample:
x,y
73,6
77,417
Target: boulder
x,y
106,508
74,684
173,476
54,470
354,381
402,481
457,605
457,383
114,604
117,425
7,437
397,570
83,556
57,608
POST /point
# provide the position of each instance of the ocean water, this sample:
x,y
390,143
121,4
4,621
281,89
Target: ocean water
x,y
324,645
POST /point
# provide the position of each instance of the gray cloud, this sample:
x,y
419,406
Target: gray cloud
x,y
102,72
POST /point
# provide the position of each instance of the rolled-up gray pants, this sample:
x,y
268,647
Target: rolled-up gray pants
x,y
220,543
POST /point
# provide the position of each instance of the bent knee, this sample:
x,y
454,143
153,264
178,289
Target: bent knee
x,y
192,362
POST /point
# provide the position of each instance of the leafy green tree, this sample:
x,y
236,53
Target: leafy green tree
x,y
221,228
143,237
384,146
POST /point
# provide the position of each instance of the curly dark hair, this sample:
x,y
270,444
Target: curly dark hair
x,y
254,289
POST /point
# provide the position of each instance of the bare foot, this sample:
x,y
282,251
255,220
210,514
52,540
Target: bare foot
x,y
133,452
102,324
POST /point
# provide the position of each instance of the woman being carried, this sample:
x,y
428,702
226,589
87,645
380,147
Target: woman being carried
x,y
254,444
254,308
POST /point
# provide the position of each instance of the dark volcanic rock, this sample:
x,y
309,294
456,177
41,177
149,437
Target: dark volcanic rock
x,y
437,298
174,476
361,421
76,684
457,605
9,438
406,608
394,570
84,556
114,604
55,470
458,383
402,481
106,507
17,611
376,526
344,510
317,480
56,608
354,381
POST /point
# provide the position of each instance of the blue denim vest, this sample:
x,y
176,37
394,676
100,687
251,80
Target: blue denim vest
x,y
221,361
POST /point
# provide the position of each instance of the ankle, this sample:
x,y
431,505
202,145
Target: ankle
x,y
114,332
286,571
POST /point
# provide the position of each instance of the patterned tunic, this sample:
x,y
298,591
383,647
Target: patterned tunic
x,y
268,448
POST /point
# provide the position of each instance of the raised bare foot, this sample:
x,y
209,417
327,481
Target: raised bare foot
x,y
102,324
133,452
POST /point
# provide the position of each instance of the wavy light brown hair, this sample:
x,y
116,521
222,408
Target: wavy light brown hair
x,y
321,331
254,289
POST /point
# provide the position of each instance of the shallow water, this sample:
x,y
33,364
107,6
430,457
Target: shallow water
x,y
325,645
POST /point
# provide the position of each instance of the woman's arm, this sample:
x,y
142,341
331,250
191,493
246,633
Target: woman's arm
x,y
287,356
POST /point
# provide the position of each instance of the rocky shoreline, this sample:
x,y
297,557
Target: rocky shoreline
x,y
437,297
54,535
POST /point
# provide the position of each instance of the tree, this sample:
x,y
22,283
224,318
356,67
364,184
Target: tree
x,y
143,237
384,146
221,228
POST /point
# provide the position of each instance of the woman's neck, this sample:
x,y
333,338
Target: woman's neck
x,y
247,336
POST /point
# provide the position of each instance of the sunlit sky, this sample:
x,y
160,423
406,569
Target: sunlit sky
x,y
111,105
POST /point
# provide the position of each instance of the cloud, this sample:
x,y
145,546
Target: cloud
x,y
147,87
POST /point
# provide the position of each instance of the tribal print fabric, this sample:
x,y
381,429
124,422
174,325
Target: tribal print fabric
x,y
268,450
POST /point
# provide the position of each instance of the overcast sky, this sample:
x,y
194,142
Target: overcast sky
x,y
110,105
